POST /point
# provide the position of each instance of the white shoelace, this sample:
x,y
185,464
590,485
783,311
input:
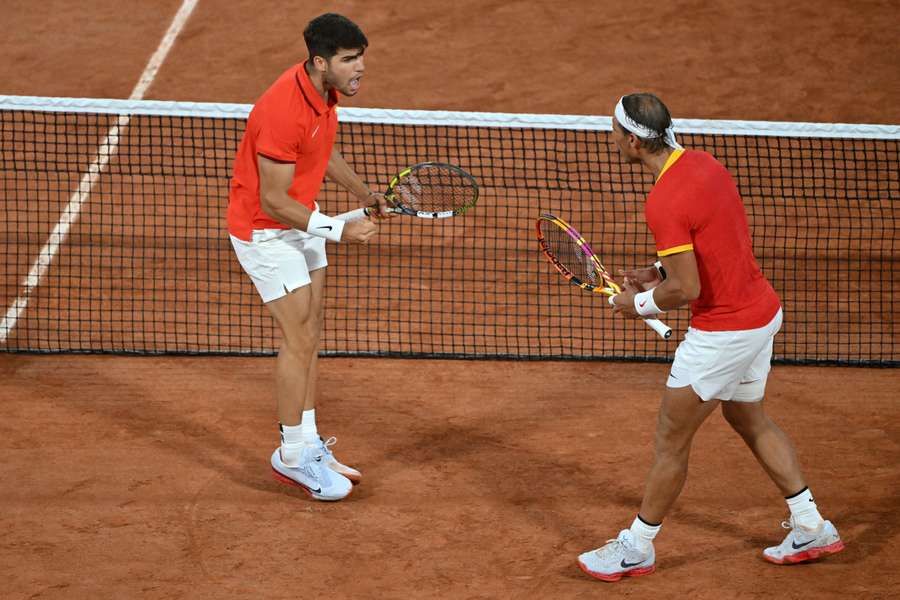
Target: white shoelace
x,y
313,464
790,524
612,546
325,446
798,531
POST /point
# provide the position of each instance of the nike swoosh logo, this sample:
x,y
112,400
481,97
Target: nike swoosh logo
x,y
642,304
626,565
313,490
328,227
796,546
315,131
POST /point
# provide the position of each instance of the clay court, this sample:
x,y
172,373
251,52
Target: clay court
x,y
148,476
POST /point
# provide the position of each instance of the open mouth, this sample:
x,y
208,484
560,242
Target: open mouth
x,y
353,84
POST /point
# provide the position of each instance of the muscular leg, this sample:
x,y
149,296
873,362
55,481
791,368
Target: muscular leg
x,y
811,537
768,442
318,309
680,415
631,554
298,320
297,461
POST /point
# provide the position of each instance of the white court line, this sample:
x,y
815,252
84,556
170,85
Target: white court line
x,y
105,152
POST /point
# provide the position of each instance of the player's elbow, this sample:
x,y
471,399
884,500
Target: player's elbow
x,y
691,291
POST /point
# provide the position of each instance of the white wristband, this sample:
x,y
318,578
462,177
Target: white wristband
x,y
325,226
644,304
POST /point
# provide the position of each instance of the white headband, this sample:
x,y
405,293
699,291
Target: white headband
x,y
642,130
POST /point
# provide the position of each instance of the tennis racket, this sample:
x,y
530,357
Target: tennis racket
x,y
429,190
573,258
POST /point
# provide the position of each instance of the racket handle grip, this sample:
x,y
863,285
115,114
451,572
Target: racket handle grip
x,y
664,331
353,215
362,213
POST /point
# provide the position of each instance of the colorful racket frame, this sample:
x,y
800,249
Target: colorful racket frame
x,y
608,287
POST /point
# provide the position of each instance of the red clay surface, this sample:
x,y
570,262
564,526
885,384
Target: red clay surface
x,y
802,61
137,477
149,477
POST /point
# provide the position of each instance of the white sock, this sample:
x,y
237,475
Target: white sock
x,y
804,510
291,444
308,426
644,533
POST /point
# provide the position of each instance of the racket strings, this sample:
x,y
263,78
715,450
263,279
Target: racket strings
x,y
435,189
569,253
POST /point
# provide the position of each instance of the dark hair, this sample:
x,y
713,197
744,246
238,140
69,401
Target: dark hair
x,y
327,33
649,111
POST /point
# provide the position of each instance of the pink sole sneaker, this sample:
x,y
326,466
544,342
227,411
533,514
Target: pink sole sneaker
x,y
812,554
617,576
311,493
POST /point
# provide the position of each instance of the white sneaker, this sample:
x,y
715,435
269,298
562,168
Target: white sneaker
x,y
349,472
312,475
803,544
617,559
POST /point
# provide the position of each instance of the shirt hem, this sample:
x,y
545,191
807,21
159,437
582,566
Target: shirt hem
x,y
729,323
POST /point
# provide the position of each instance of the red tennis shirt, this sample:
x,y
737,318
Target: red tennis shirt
x,y
292,123
695,205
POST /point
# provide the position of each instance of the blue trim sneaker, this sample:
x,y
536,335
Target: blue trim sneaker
x,y
617,559
312,475
349,472
803,544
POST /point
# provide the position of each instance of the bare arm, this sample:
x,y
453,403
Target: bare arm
x,y
681,285
275,180
341,172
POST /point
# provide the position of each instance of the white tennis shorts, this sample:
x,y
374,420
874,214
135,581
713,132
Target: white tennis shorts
x,y
280,260
725,365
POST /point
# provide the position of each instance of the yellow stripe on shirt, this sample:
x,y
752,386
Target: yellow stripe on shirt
x,y
676,154
675,250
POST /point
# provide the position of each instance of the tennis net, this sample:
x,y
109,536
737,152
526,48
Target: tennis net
x,y
114,234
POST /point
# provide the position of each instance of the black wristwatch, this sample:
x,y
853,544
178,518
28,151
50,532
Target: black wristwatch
x,y
660,270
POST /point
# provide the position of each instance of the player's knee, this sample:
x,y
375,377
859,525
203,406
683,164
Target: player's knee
x,y
672,440
299,339
746,423
299,322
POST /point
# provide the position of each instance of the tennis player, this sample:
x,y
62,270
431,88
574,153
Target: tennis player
x,y
705,260
279,233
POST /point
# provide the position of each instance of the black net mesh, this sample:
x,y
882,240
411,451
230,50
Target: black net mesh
x,y
114,240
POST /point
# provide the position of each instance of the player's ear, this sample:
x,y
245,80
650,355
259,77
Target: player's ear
x,y
320,64
634,141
